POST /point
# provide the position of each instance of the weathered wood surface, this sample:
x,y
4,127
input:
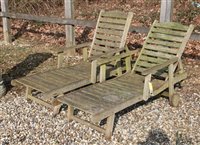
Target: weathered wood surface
x,y
164,42
103,97
111,32
62,80
59,78
103,100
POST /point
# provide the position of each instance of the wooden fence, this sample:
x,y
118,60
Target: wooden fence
x,y
69,22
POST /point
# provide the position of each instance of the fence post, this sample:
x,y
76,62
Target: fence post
x,y
6,22
166,11
69,30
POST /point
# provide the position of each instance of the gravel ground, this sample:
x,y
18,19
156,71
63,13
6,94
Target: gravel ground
x,y
153,122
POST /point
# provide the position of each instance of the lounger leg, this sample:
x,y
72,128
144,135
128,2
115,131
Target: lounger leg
x,y
56,107
109,127
173,98
70,113
171,83
28,92
119,68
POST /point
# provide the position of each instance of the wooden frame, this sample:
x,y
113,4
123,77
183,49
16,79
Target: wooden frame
x,y
109,39
149,77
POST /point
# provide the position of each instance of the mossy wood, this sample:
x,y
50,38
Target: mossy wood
x,y
157,69
109,38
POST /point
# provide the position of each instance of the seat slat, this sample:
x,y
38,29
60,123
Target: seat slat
x,y
113,21
110,26
158,54
69,73
80,102
111,32
152,59
164,43
166,37
101,48
107,43
126,88
53,77
108,37
33,85
146,64
172,25
161,48
114,14
140,69
47,82
169,32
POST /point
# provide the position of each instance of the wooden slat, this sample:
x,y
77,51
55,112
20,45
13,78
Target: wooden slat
x,y
84,68
107,90
101,48
145,64
101,115
88,98
114,14
107,43
169,32
69,73
69,76
96,95
55,78
81,102
111,32
110,26
172,25
140,69
164,43
34,85
43,81
113,21
158,54
123,89
66,79
108,37
166,37
152,59
68,87
161,48
116,89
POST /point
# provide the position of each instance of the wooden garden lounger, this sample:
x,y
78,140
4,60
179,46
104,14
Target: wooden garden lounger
x,y
157,69
110,35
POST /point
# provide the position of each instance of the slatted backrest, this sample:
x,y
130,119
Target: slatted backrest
x,y
164,41
111,32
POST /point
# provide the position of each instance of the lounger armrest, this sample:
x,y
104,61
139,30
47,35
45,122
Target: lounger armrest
x,y
160,66
104,59
79,46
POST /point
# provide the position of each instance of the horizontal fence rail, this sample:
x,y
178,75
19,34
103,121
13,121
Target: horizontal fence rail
x,y
74,22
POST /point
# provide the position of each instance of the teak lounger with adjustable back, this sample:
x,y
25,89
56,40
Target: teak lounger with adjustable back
x,y
157,69
109,37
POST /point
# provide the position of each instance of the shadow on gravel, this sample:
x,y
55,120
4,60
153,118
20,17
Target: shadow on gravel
x,y
156,137
134,106
159,137
24,67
